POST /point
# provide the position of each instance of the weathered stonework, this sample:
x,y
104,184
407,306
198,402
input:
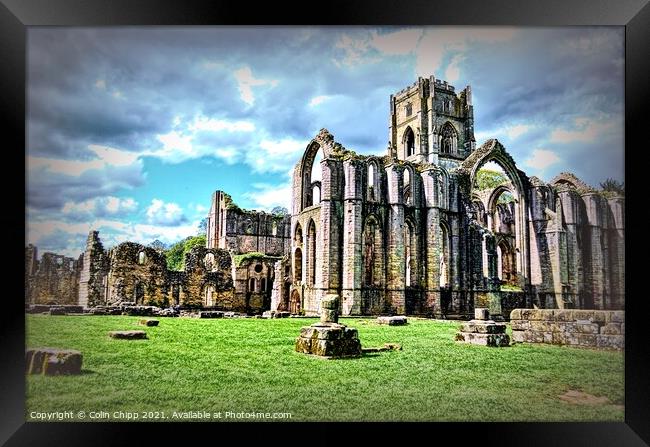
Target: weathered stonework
x,y
482,331
411,233
328,338
586,328
52,361
404,233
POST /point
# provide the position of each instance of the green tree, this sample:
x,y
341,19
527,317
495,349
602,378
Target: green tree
x,y
282,211
488,179
203,227
176,253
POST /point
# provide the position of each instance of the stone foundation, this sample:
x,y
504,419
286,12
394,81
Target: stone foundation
x,y
482,331
587,328
330,340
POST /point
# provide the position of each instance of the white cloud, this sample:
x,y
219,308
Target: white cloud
x,y
318,100
100,206
214,125
437,42
512,131
541,159
452,73
104,157
275,155
69,238
165,214
266,196
100,84
398,43
517,130
586,131
246,82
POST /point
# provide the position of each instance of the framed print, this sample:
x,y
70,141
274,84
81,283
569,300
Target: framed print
x,y
413,222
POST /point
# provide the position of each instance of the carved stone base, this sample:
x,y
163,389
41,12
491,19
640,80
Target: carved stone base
x,y
484,333
330,340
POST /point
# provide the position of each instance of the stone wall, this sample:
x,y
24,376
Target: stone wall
x,y
586,328
243,231
52,280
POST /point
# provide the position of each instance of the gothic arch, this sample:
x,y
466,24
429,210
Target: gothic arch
x,y
411,258
444,258
408,182
493,150
373,252
448,139
408,142
310,252
373,181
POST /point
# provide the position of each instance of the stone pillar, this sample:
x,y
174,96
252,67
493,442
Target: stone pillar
x,y
432,245
352,234
331,226
617,252
596,264
395,237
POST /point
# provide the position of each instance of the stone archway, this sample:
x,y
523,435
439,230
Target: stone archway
x,y
294,303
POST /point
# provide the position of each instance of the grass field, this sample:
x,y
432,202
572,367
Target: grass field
x,y
249,365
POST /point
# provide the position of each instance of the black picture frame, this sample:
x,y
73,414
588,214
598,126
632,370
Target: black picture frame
x,y
17,15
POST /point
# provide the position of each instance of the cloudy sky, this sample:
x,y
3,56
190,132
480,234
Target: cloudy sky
x,y
130,130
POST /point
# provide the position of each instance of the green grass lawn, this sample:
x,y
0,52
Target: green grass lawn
x,y
249,365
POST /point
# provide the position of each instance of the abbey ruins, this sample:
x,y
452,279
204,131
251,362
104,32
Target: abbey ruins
x,y
409,232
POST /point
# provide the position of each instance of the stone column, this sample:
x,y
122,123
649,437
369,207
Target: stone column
x,y
617,252
432,246
395,237
331,226
353,219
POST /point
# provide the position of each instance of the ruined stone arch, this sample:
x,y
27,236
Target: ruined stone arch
x,y
444,257
442,188
411,258
409,142
312,236
297,253
373,252
494,151
307,163
448,139
408,191
373,181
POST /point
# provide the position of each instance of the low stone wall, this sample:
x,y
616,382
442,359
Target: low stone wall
x,y
587,328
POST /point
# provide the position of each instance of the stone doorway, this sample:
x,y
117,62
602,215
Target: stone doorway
x,y
294,303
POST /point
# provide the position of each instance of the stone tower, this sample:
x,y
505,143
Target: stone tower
x,y
430,123
216,226
92,287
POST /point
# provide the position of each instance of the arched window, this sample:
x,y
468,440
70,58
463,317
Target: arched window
x,y
251,285
311,253
409,109
373,259
209,262
311,173
371,182
409,142
263,286
408,187
297,265
409,255
449,139
141,257
315,193
444,256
